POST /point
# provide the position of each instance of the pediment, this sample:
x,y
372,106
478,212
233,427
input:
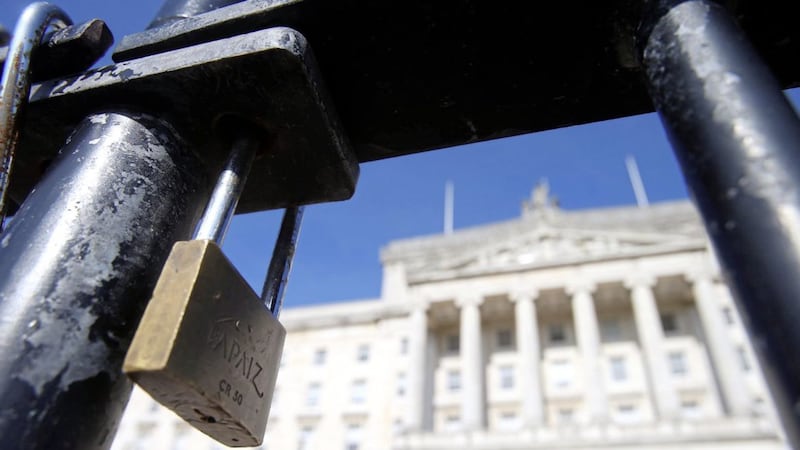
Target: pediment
x,y
543,246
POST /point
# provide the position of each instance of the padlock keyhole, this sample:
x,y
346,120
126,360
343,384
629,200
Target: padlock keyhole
x,y
205,418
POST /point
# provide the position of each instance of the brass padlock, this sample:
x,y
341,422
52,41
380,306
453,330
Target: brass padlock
x,y
207,347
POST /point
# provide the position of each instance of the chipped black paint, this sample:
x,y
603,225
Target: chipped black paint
x,y
67,51
736,138
175,10
268,78
78,264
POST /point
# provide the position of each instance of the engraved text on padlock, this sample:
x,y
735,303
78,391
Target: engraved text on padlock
x,y
219,368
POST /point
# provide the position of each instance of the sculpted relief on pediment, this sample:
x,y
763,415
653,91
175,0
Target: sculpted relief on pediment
x,y
537,249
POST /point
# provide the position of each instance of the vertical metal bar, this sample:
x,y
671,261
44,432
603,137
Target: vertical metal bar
x,y
738,142
77,265
280,266
5,36
16,84
217,216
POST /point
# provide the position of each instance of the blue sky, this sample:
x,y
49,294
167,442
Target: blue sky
x,y
337,258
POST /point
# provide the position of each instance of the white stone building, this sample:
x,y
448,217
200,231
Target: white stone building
x,y
599,329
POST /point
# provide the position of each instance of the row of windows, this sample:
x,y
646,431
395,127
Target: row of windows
x,y
505,377
358,388
321,355
611,329
561,372
362,353
352,437
504,339
358,393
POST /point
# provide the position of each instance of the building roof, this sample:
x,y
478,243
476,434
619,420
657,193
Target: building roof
x,y
545,235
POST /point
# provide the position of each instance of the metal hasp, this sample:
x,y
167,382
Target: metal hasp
x,y
738,142
16,82
77,265
268,78
69,50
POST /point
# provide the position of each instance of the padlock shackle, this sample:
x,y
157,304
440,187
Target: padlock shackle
x,y
217,216
281,263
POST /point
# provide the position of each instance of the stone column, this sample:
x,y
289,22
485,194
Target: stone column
x,y
529,358
417,349
588,337
651,338
736,396
472,406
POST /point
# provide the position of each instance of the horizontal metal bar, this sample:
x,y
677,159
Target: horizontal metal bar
x,y
173,11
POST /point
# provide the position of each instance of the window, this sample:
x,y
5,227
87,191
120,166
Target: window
x,y
397,427
627,413
677,363
363,353
619,370
452,422
453,380
565,415
312,394
504,340
401,384
690,408
561,370
557,334
183,438
304,440
508,420
759,408
743,359
610,330
358,391
275,396
506,377
669,322
146,436
352,437
727,312
319,357
404,346
451,343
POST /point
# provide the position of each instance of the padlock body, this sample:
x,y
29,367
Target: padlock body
x,y
207,347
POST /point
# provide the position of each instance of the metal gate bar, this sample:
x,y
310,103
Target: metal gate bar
x,y
738,142
77,265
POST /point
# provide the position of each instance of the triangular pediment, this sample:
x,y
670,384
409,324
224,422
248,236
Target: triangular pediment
x,y
543,246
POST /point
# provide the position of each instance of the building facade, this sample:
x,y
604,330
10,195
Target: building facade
x,y
594,329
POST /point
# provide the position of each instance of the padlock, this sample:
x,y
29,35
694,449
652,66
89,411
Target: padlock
x,y
207,347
